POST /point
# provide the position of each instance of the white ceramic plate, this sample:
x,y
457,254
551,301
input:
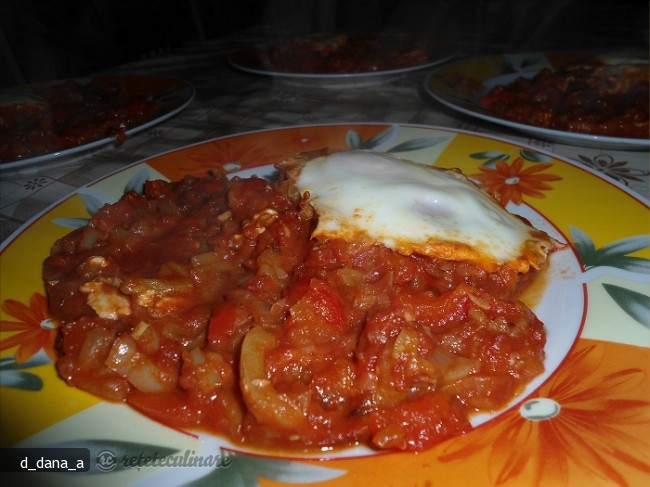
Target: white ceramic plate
x,y
248,60
172,94
591,394
461,84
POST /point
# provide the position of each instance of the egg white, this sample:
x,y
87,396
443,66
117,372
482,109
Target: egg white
x,y
411,208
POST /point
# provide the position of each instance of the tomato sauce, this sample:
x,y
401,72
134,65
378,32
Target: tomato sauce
x,y
206,304
71,114
587,98
343,54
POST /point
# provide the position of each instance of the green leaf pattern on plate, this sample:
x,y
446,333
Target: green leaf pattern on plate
x,y
635,304
615,255
72,223
93,200
491,157
137,182
355,142
416,144
92,203
12,375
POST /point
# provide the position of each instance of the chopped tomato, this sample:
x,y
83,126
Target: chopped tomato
x,y
321,300
418,423
227,320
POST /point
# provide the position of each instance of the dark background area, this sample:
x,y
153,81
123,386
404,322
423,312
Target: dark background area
x,y
53,39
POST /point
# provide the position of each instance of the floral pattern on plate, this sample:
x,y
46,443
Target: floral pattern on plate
x,y
587,420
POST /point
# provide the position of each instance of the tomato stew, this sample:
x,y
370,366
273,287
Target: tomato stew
x,y
206,304
343,54
71,114
587,98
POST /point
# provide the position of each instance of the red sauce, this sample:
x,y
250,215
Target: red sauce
x,y
587,98
227,317
71,114
343,54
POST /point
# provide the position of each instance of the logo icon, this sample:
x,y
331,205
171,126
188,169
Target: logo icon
x,y
106,461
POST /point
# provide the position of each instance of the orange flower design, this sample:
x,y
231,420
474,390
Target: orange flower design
x,y
598,428
512,182
35,328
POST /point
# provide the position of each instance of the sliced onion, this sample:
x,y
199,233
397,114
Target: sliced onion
x,y
267,405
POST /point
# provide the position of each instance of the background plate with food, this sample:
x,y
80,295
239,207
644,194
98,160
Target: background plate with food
x,y
47,120
606,105
342,60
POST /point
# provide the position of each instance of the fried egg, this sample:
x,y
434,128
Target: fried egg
x,y
415,208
